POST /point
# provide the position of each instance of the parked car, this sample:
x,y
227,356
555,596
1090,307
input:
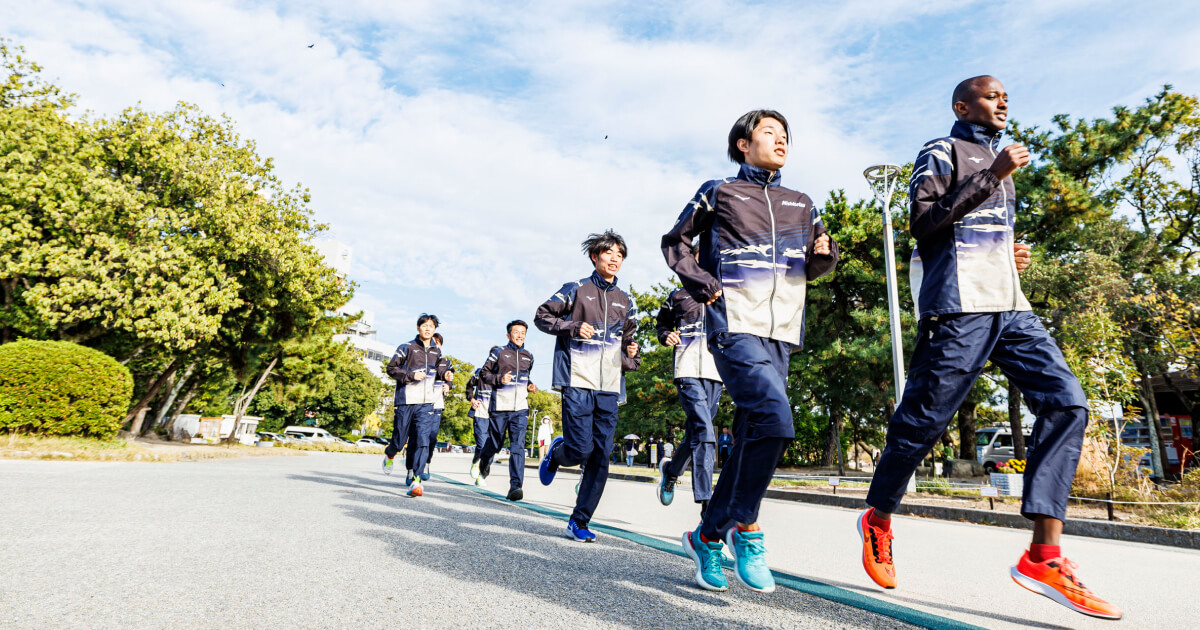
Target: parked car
x,y
315,434
366,442
442,447
994,446
454,448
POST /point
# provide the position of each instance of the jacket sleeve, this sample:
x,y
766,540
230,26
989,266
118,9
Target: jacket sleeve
x,y
818,265
397,368
665,323
628,363
933,207
444,368
696,219
487,373
469,390
554,315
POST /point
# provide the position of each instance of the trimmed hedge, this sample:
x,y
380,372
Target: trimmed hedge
x,y
62,388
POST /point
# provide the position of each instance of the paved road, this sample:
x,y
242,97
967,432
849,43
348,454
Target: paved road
x,y
325,541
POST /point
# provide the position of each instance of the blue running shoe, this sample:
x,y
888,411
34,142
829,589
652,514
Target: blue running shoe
x,y
750,560
579,533
708,557
666,486
425,474
408,479
548,468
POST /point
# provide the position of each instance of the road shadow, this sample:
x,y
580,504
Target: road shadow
x,y
613,581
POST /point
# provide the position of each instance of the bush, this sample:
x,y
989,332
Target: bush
x,y
61,388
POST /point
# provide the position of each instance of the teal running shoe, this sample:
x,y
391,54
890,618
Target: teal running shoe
x,y
750,560
666,484
709,574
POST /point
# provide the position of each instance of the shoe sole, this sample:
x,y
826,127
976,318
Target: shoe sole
x,y
416,492
686,540
738,574
578,539
862,539
1049,592
474,472
544,467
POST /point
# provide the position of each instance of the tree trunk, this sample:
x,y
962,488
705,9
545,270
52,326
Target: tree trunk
x,y
133,416
173,394
968,413
243,402
10,291
832,438
1159,459
1014,421
181,407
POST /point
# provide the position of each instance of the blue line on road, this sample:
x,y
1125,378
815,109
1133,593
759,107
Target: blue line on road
x,y
804,585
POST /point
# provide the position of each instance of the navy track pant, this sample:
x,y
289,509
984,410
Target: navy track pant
x,y
482,428
515,424
951,351
402,421
422,435
699,398
755,373
589,420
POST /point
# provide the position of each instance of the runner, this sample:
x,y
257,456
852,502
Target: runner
x,y
593,321
440,389
759,245
964,278
415,366
480,395
680,324
507,371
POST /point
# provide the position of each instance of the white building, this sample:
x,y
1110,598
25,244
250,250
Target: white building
x,y
361,334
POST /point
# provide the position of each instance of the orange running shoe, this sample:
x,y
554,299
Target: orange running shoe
x,y
877,552
1055,578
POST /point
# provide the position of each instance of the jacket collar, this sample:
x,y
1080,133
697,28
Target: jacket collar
x,y
759,176
417,340
602,283
976,133
512,346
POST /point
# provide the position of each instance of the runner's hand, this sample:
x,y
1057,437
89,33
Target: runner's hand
x,y
1010,158
631,349
475,404
445,388
586,331
419,375
821,246
673,338
1022,256
506,379
532,389
716,296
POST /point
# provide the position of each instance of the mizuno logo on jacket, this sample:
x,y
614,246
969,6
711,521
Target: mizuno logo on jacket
x,y
508,359
411,358
597,362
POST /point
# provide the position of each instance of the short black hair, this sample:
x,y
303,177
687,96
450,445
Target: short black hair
x,y
962,91
515,322
596,244
745,126
438,338
424,317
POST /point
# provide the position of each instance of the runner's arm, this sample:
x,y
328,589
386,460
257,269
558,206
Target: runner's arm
x,y
817,265
696,219
554,315
397,368
665,322
933,207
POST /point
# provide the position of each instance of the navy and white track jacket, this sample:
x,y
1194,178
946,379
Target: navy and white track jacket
x,y
503,360
962,217
756,242
599,362
413,357
681,312
478,390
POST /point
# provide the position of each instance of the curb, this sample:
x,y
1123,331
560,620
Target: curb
x,y
1182,538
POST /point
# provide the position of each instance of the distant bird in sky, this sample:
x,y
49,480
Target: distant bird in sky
x,y
606,137
311,45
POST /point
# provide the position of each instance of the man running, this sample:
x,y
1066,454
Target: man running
x,y
507,371
593,321
480,395
415,366
759,245
680,324
440,389
964,278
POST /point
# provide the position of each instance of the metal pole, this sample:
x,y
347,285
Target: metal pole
x,y
889,258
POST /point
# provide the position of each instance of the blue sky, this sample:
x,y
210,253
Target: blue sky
x,y
459,147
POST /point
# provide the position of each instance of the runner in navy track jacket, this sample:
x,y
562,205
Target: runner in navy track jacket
x,y
968,295
416,365
507,371
759,244
594,325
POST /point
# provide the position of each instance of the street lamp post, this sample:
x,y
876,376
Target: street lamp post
x,y
883,179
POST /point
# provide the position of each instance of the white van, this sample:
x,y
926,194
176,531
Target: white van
x,y
310,433
994,446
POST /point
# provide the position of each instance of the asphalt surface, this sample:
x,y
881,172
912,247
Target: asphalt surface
x,y
327,541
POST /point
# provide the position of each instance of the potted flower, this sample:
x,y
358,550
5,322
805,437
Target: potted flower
x,y
1010,477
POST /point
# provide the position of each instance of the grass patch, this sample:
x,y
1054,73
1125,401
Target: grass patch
x,y
21,446
330,447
